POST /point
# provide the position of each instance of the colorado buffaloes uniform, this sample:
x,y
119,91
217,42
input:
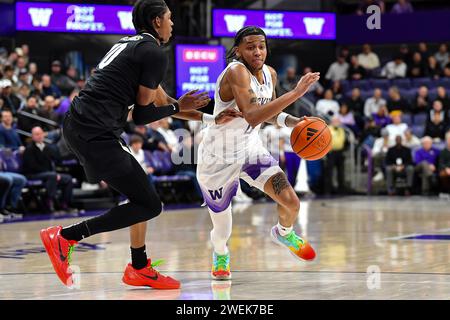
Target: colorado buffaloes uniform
x,y
234,150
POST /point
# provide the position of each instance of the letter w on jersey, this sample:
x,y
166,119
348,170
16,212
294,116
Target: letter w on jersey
x,y
314,25
216,194
234,22
40,17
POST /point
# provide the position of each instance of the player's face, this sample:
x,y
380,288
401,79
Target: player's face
x,y
165,29
253,50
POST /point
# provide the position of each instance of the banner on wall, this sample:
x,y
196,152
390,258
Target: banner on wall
x,y
276,24
198,67
66,17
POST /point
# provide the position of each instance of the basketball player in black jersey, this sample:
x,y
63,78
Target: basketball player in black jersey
x,y
126,80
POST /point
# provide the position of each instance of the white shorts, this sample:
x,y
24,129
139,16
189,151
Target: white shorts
x,y
219,179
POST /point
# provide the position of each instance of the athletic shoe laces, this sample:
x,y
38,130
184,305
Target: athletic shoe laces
x,y
295,239
69,254
222,262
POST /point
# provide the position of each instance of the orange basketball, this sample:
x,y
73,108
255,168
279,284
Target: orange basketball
x,y
311,139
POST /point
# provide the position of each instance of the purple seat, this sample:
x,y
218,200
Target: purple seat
x,y
417,82
366,94
403,83
411,95
10,161
346,85
418,130
407,118
383,84
432,94
362,84
444,82
420,119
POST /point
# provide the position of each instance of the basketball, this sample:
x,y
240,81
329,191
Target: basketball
x,y
311,139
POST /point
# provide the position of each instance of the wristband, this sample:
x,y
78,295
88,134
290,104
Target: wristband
x,y
281,119
208,118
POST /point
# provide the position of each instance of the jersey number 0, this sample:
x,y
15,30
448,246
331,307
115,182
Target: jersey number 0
x,y
112,54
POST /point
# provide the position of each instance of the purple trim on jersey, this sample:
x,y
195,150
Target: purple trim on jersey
x,y
256,169
220,204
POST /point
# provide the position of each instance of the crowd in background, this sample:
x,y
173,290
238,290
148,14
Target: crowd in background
x,y
399,110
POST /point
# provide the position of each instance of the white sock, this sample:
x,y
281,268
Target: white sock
x,y
284,231
222,222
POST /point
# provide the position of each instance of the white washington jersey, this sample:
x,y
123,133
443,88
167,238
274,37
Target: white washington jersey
x,y
232,141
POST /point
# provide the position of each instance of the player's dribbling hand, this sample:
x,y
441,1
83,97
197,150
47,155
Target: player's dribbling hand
x,y
193,100
306,81
227,115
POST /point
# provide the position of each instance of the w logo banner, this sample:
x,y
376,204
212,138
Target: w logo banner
x,y
216,194
126,20
310,132
235,22
314,25
40,17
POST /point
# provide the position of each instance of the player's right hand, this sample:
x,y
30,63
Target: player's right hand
x,y
306,81
193,100
227,115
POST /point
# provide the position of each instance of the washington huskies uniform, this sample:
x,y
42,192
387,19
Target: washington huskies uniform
x,y
234,150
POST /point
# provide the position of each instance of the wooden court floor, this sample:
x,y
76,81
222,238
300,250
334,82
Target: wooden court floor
x,y
368,248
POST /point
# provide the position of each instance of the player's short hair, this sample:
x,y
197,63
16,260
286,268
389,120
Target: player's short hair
x,y
144,12
241,34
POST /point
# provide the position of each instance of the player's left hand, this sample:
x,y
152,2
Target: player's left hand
x,y
227,115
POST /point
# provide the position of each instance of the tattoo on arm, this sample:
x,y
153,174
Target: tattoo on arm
x,y
253,99
279,182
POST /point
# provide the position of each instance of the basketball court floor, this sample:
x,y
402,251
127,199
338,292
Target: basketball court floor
x,y
368,248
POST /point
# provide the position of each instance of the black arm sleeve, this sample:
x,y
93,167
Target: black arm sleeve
x,y
153,64
144,115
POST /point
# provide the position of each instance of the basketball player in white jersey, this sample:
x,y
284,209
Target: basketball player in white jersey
x,y
234,150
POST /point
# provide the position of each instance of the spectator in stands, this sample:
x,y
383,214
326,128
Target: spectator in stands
x,y
316,88
23,94
48,88
447,70
442,56
355,71
362,8
327,106
72,74
417,68
396,128
65,105
443,97
368,59
396,102
346,117
10,100
402,6
382,118
156,139
399,162
370,133
437,122
20,65
423,50
11,185
394,69
24,122
426,160
286,84
338,70
379,151
421,102
433,68
405,54
8,74
373,104
9,138
168,134
39,163
444,167
136,143
411,141
356,103
188,166
335,158
63,82
24,78
36,87
336,87
48,109
33,71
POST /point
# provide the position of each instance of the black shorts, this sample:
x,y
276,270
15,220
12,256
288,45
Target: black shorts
x,y
102,157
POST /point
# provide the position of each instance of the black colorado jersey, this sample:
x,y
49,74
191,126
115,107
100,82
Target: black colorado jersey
x,y
102,106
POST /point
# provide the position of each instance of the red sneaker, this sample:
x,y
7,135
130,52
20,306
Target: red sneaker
x,y
148,277
59,251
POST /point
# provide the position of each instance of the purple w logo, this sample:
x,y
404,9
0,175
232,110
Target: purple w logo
x,y
217,194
